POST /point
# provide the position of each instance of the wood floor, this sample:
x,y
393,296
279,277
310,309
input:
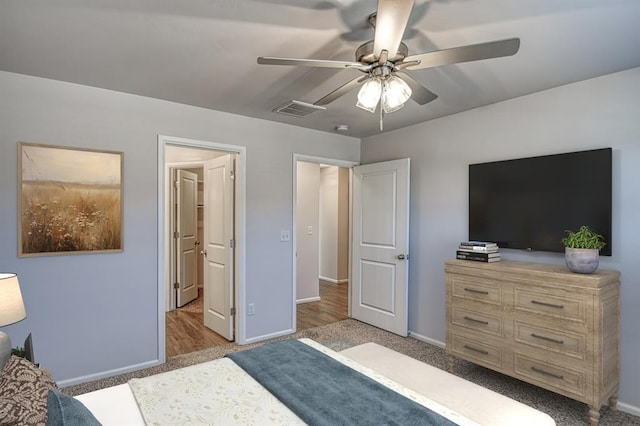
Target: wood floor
x,y
331,308
186,332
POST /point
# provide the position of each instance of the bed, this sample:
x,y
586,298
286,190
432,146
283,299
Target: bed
x,y
224,391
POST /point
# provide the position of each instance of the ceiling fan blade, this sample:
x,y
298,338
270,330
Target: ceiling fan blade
x,y
420,94
342,90
391,20
317,63
472,52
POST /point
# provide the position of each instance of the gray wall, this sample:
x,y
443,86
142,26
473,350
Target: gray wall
x,y
97,314
307,246
334,224
329,223
343,225
603,112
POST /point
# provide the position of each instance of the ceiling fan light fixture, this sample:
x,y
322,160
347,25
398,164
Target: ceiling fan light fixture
x,y
395,93
369,94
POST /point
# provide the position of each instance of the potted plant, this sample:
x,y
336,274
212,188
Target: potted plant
x,y
582,250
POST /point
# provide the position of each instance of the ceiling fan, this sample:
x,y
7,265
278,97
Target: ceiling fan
x,y
384,60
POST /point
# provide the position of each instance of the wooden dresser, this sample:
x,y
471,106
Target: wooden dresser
x,y
538,323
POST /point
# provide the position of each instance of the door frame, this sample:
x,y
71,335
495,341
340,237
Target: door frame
x,y
318,160
164,240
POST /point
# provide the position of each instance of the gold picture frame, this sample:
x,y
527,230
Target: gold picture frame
x,y
69,200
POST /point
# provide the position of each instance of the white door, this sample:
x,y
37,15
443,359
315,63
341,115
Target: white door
x,y
218,245
380,267
186,236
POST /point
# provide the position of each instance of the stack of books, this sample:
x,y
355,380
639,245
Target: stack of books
x,y
480,251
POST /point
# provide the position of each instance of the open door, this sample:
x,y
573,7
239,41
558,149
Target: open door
x,y
380,247
218,245
186,236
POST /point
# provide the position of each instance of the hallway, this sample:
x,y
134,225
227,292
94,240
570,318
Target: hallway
x,y
186,332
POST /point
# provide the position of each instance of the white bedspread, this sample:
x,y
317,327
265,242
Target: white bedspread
x,y
220,392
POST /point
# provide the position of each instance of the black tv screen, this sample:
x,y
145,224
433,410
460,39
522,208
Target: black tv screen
x,y
528,203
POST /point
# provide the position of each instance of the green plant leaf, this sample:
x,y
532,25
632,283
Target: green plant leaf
x,y
584,238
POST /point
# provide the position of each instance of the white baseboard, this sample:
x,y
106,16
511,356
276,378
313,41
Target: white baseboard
x,y
141,366
105,374
268,336
628,408
333,281
308,299
426,339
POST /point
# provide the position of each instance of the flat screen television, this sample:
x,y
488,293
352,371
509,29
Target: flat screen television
x,y
528,203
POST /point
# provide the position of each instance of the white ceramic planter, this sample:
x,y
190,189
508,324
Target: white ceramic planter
x,y
582,261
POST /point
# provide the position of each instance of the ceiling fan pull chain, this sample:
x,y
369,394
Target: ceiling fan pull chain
x,y
381,117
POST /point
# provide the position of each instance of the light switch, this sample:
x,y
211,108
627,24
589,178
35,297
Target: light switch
x,y
284,235
309,230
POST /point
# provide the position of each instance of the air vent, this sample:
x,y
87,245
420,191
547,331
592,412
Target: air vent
x,y
298,109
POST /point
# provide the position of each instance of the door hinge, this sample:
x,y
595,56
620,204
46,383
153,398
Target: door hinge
x,y
176,285
233,312
232,243
232,174
176,234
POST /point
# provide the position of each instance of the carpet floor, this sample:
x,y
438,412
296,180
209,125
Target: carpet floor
x,y
348,333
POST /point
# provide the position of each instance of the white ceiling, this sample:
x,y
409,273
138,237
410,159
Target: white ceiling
x,y
203,52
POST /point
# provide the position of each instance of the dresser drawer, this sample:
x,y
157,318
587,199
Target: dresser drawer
x,y
479,321
478,290
572,307
479,352
562,342
560,379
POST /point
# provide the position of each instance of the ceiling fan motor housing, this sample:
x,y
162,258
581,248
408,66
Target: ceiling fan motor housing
x,y
365,54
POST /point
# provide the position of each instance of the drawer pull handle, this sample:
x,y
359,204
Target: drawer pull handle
x,y
476,320
473,290
551,305
548,339
471,348
546,373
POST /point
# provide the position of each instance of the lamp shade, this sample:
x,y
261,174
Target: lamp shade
x,y
369,94
11,304
396,93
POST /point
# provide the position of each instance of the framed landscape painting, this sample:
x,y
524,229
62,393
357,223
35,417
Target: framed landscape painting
x,y
69,200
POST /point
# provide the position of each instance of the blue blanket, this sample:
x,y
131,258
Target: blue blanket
x,y
323,391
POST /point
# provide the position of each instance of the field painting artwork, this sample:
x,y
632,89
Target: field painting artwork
x,y
70,200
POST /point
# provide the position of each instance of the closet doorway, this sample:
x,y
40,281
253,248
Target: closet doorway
x,y
200,223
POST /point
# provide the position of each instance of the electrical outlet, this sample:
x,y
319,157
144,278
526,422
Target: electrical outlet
x,y
251,309
284,235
